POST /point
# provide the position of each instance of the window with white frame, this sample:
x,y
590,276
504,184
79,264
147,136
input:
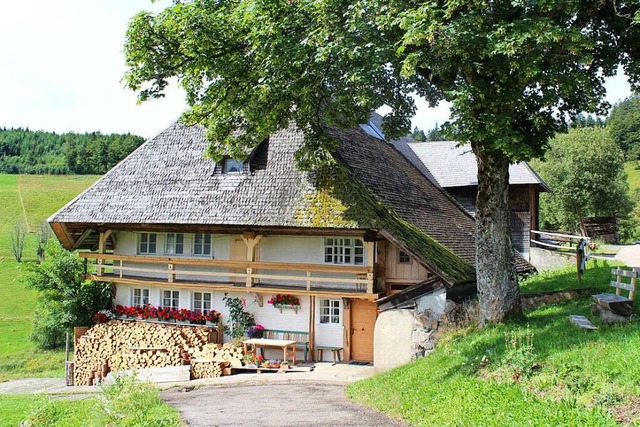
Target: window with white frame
x,y
233,165
147,243
174,244
330,311
140,297
202,302
343,250
170,299
202,244
404,258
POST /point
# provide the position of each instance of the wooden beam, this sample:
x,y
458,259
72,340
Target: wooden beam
x,y
82,238
346,316
226,287
62,233
312,327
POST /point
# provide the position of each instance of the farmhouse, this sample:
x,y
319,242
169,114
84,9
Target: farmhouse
x,y
172,228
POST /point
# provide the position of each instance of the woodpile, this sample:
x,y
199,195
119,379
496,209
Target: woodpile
x,y
222,353
119,345
207,368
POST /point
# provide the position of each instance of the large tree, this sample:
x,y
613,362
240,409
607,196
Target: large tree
x,y
514,71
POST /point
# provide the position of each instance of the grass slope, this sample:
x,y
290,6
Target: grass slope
x,y
568,377
41,196
632,169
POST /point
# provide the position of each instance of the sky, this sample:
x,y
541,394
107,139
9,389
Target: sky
x,y
61,65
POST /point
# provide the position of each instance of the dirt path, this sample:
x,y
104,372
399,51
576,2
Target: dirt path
x,y
275,404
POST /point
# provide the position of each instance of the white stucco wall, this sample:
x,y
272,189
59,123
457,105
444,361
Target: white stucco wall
x,y
392,339
435,302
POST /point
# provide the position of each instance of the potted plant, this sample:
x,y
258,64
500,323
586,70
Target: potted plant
x,y
285,301
255,331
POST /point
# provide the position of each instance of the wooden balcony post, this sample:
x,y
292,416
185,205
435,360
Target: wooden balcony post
x,y
249,277
172,275
101,250
369,283
308,280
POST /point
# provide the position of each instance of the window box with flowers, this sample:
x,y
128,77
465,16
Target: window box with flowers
x,y
290,302
165,314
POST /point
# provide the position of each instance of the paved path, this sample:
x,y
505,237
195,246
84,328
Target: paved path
x,y
273,404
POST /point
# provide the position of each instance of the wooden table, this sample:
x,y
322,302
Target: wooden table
x,y
251,345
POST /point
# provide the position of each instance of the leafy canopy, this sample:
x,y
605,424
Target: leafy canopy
x,y
514,70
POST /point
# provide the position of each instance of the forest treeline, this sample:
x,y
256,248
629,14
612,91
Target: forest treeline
x,y
38,152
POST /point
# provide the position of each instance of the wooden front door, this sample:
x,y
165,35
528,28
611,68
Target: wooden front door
x,y
363,321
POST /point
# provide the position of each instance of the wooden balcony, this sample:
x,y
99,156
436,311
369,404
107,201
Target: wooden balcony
x,y
231,275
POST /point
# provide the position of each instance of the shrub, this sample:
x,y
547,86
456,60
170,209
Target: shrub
x,y
70,300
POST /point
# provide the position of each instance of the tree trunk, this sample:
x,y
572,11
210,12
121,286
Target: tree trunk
x,y
498,291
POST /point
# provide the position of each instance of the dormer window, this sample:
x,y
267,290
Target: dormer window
x,y
232,166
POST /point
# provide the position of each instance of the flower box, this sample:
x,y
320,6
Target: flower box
x,y
287,307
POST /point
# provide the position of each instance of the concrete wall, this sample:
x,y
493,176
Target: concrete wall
x,y
544,259
392,339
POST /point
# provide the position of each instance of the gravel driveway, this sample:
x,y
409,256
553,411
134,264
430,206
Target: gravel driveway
x,y
274,404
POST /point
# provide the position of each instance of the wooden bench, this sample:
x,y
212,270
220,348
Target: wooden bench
x,y
615,303
301,338
335,351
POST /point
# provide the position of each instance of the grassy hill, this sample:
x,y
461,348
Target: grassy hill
x,y
31,199
496,377
633,176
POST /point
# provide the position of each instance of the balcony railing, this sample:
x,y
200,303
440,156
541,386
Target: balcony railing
x,y
250,273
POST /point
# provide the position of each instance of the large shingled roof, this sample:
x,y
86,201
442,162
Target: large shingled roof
x,y
371,187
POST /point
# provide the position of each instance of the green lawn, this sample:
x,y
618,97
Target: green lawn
x,y
41,195
632,169
569,377
128,403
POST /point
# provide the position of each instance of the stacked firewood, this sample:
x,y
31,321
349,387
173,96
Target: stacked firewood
x,y
121,345
222,353
207,368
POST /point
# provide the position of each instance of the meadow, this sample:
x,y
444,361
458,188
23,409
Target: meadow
x,y
28,199
540,371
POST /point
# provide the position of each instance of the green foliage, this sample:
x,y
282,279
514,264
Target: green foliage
x,y
585,169
128,402
70,300
582,120
418,135
42,195
239,319
39,152
624,125
519,355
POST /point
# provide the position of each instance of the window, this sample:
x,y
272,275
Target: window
x,y
174,244
233,165
404,258
171,299
202,302
338,250
147,243
140,297
202,244
330,311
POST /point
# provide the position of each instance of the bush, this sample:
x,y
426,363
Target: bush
x,y
129,402
46,329
67,299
